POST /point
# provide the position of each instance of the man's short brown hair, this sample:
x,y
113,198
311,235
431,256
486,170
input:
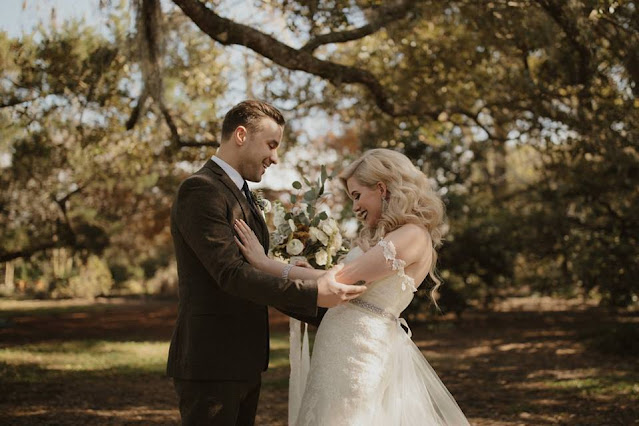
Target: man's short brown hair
x,y
248,114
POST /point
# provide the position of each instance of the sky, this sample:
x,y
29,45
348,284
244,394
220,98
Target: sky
x,y
20,16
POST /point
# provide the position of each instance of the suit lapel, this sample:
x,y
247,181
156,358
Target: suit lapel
x,y
247,210
257,214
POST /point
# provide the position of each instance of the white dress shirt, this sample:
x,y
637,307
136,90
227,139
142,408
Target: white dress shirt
x,y
231,172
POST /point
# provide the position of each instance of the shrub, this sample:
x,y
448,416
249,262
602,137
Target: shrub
x,y
93,279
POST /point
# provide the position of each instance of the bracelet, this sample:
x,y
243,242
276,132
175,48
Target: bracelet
x,y
286,271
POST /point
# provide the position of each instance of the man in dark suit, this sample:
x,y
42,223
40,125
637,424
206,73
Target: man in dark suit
x,y
220,344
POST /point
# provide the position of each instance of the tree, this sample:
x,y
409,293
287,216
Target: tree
x,y
490,79
523,112
73,177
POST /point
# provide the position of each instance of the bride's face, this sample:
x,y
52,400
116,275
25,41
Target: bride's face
x,y
367,201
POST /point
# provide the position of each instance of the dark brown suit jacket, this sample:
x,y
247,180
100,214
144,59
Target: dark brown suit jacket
x,y
222,328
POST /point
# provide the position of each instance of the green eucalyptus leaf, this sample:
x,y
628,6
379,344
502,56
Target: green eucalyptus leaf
x,y
309,196
301,218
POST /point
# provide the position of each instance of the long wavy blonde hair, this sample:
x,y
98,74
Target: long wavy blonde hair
x,y
411,199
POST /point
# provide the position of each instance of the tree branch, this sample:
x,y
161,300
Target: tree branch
x,y
62,202
30,251
228,32
17,101
383,15
175,132
65,236
137,109
568,26
151,48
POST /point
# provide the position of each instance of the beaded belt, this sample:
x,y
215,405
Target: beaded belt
x,y
383,313
374,309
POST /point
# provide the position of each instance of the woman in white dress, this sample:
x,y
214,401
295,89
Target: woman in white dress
x,y
365,369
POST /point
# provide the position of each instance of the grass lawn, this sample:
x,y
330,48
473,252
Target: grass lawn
x,y
103,363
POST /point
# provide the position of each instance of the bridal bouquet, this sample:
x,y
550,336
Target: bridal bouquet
x,y
303,230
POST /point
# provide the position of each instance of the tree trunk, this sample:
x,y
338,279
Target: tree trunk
x,y
9,284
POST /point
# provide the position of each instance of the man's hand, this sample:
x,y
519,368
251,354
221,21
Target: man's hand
x,y
303,264
331,293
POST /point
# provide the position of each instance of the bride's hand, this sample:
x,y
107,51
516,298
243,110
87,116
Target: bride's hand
x,y
249,244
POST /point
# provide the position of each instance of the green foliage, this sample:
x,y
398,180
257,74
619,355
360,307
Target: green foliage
x,y
130,358
92,279
71,175
526,117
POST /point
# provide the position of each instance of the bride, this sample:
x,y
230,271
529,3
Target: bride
x,y
365,369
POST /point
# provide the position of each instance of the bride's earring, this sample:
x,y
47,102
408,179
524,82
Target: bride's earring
x,y
384,205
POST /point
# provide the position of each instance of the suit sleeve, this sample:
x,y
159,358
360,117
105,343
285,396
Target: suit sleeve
x,y
310,319
203,221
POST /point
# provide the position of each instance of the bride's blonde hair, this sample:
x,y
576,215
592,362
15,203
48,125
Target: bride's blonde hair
x,y
411,199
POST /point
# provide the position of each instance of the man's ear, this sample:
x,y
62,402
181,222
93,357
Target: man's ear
x,y
239,136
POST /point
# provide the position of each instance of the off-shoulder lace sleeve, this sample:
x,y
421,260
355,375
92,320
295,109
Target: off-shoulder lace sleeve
x,y
390,254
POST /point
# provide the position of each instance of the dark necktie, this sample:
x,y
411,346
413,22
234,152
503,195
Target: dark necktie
x,y
249,197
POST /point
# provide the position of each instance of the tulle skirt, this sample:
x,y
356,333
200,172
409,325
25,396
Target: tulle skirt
x,y
413,393
404,389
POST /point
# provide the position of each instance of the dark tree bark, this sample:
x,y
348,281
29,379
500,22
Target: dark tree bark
x,y
228,32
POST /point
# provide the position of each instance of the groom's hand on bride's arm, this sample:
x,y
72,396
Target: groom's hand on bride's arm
x,y
331,293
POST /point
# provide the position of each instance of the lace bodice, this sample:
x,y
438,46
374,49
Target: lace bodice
x,y
392,293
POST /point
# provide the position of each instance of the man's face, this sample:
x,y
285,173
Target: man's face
x,y
259,150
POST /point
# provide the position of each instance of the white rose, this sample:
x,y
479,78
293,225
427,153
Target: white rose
x,y
312,231
294,247
317,234
277,238
321,257
329,226
266,205
278,215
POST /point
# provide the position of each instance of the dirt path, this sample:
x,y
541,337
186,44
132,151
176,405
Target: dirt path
x,y
504,368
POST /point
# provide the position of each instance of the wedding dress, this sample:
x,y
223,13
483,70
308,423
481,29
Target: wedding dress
x,y
365,369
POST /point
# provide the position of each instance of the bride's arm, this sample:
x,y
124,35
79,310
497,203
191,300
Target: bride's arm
x,y
254,253
408,244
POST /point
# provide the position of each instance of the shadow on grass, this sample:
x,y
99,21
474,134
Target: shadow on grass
x,y
504,368
534,368
119,395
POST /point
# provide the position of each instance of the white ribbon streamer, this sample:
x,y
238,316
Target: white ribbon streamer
x,y
300,360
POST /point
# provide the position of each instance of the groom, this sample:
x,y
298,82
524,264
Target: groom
x,y
220,344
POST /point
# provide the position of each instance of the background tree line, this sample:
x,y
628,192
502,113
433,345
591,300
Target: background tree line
x,y
523,112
